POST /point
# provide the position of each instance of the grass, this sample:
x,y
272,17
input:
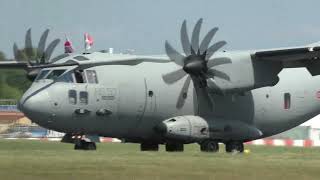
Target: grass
x,y
22,159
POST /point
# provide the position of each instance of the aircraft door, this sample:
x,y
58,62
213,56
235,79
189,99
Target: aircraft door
x,y
131,106
149,119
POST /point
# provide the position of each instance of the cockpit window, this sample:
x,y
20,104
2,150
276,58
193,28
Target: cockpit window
x,y
92,76
55,74
80,76
67,77
42,74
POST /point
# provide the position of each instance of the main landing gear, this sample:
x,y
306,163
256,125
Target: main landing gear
x,y
209,146
149,146
170,146
234,146
84,145
174,147
213,146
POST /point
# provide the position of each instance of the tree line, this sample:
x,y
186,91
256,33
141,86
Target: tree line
x,y
13,82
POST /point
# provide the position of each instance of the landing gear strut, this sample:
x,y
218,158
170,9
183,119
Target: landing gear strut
x,y
147,146
174,147
209,146
83,145
234,146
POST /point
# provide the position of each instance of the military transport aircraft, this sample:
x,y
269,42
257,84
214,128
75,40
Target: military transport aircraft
x,y
200,95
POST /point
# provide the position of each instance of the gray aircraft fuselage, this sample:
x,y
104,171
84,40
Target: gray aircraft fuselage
x,y
137,100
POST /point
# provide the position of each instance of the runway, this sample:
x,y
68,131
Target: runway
x,y
33,160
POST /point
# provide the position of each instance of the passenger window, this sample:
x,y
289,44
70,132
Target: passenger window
x,y
83,97
287,100
42,74
92,76
80,77
55,74
72,96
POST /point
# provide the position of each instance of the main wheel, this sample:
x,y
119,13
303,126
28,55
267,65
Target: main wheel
x,y
174,147
209,146
83,145
234,146
149,147
91,146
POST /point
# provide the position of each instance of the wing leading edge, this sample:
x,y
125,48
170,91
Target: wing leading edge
x,y
308,56
13,65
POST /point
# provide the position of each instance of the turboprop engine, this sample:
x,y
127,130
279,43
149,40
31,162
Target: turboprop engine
x,y
185,128
196,129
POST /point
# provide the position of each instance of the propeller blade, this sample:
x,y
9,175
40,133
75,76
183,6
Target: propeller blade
x,y
215,47
207,39
16,52
218,61
195,36
50,49
174,76
183,93
174,55
216,73
213,85
185,42
28,45
42,45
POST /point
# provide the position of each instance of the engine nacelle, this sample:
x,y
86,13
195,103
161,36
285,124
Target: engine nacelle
x,y
195,128
184,128
245,73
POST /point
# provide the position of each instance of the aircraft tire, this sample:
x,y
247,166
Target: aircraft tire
x,y
174,147
234,146
149,147
83,145
209,146
90,146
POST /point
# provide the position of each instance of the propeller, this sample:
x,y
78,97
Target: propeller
x,y
195,63
41,56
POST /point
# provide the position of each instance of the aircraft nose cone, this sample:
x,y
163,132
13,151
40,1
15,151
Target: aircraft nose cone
x,y
36,107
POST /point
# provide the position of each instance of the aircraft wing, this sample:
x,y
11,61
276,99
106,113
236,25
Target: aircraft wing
x,y
131,61
308,56
291,54
13,64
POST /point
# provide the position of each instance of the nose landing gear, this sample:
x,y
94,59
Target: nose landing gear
x,y
80,141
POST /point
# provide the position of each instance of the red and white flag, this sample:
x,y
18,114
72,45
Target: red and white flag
x,y
68,46
88,41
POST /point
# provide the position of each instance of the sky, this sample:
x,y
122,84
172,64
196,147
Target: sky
x,y
144,25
